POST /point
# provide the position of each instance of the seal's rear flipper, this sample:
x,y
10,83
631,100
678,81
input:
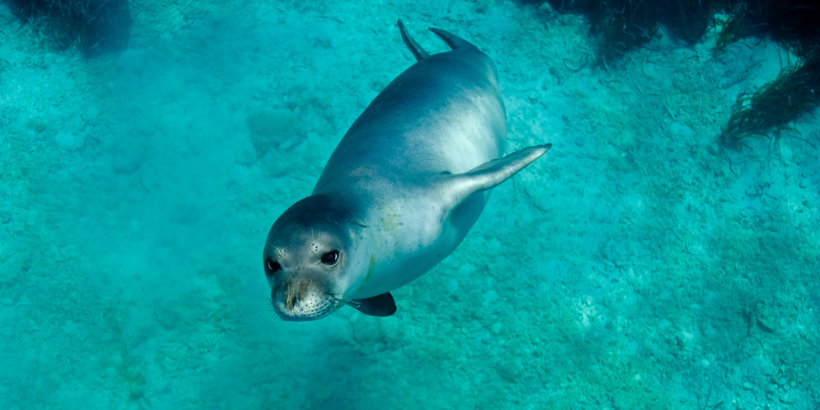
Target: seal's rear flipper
x,y
490,174
453,41
414,47
382,305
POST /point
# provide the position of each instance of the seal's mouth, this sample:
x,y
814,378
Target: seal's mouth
x,y
313,306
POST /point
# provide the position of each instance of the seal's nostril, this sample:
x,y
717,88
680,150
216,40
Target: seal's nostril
x,y
292,301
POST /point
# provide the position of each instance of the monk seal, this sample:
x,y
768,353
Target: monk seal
x,y
400,192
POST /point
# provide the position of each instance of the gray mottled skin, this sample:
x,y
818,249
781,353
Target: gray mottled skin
x,y
400,192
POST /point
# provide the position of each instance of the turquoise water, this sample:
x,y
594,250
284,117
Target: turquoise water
x,y
636,265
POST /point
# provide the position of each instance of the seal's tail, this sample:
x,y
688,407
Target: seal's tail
x,y
414,47
453,41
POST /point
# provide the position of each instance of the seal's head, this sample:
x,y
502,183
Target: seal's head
x,y
310,258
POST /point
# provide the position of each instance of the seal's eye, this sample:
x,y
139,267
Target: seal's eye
x,y
330,258
271,266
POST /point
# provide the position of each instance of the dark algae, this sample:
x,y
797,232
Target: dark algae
x,y
94,26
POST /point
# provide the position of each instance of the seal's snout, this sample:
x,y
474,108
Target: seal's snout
x,y
296,291
300,300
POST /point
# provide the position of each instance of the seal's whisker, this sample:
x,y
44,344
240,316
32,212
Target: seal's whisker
x,y
276,249
273,307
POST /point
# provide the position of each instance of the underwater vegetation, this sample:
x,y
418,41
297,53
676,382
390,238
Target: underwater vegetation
x,y
94,26
734,28
794,24
688,19
795,91
622,25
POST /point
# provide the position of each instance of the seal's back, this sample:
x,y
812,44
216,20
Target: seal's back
x,y
455,93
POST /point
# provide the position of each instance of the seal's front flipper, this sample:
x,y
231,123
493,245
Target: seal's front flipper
x,y
382,305
492,173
